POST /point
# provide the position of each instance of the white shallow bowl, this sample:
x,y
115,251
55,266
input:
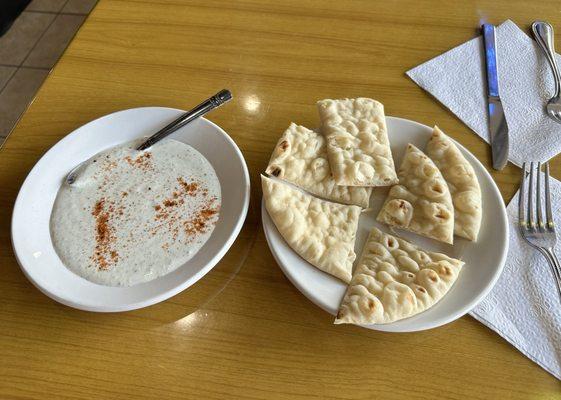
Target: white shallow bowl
x,y
484,260
31,238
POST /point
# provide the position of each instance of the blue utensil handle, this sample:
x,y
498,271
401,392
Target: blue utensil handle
x,y
490,42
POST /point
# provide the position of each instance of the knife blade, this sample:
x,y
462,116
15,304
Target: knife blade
x,y
498,127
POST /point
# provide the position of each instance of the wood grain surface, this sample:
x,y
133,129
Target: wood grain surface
x,y
247,333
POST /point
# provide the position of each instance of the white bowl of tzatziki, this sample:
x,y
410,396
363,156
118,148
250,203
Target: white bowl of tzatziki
x,y
137,227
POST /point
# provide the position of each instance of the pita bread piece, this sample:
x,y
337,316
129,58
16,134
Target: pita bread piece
x,y
421,202
395,279
321,232
462,182
357,142
300,157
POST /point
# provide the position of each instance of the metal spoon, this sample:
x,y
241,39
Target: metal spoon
x,y
209,104
543,32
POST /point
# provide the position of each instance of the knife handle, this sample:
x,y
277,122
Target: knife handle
x,y
490,42
543,32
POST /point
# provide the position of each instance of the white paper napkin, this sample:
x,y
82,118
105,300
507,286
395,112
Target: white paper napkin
x,y
524,306
457,79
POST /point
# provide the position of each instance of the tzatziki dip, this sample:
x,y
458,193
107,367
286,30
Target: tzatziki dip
x,y
133,216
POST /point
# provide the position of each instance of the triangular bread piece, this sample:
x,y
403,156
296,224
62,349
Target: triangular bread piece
x,y
394,279
357,142
300,157
462,182
321,232
421,202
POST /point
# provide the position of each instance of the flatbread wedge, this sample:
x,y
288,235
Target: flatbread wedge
x,y
462,182
300,157
357,142
394,279
321,232
421,203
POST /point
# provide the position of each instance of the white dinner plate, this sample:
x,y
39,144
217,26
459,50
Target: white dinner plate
x,y
31,238
484,259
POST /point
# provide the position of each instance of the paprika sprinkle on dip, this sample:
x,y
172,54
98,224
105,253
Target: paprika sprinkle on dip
x,y
136,215
104,255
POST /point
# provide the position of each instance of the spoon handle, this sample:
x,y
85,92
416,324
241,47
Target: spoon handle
x,y
209,104
543,32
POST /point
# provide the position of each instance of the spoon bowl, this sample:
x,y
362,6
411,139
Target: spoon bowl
x,y
553,108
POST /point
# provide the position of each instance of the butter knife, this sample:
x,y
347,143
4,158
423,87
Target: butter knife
x,y
498,128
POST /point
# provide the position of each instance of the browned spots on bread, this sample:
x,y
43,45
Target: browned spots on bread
x,y
275,171
432,276
445,270
409,297
437,188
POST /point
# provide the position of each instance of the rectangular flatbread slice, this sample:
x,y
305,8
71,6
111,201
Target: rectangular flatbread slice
x,y
421,203
321,232
395,279
300,157
462,182
357,142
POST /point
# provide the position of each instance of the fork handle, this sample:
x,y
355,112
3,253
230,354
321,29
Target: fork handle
x,y
543,32
555,266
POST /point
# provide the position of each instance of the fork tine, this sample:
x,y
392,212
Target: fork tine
x,y
539,198
531,221
521,195
548,213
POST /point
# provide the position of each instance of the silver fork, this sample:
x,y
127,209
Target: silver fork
x,y
538,233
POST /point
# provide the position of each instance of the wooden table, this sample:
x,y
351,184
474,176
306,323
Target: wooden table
x,y
254,336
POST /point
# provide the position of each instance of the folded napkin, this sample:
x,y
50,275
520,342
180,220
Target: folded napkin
x,y
524,306
457,79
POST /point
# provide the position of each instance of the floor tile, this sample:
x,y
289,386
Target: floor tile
x,y
22,36
79,6
5,75
17,94
46,5
51,46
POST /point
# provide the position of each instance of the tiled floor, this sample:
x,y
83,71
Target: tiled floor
x,y
31,48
